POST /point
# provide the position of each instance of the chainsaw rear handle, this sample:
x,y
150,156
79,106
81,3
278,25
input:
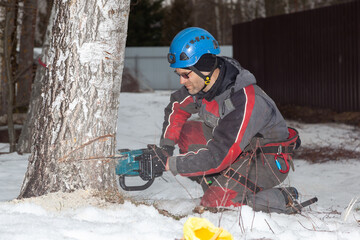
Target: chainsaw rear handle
x,y
134,188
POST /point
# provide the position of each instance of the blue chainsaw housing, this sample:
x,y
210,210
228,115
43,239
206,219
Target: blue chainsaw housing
x,y
134,163
126,163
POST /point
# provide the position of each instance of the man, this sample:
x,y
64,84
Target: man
x,y
242,147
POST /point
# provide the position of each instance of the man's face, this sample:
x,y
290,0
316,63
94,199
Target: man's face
x,y
190,80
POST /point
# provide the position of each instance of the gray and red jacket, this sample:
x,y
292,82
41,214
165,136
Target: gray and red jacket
x,y
238,111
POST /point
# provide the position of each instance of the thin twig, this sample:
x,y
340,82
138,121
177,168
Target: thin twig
x,y
313,230
174,176
350,207
269,226
256,178
358,221
84,145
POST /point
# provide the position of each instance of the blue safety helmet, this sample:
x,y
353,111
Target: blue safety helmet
x,y
189,45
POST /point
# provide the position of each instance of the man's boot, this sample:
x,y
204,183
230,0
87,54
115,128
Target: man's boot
x,y
278,200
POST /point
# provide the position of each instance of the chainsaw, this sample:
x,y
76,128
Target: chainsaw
x,y
135,163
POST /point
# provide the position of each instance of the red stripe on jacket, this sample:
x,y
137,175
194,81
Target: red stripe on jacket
x,y
212,107
176,120
235,149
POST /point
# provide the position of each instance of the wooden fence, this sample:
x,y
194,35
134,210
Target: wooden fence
x,y
310,58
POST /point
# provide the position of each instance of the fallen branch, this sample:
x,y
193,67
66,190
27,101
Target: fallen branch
x,y
269,226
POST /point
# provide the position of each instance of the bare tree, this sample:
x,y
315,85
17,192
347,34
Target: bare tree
x,y
24,74
218,18
74,136
3,87
25,139
276,7
42,21
8,49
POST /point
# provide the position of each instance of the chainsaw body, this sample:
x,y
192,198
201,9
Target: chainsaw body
x,y
135,163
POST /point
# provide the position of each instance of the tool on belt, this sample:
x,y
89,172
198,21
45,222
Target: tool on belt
x,y
283,151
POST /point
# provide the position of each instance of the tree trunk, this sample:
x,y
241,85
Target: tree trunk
x,y
26,137
275,8
24,74
3,85
42,21
8,49
218,20
75,131
195,13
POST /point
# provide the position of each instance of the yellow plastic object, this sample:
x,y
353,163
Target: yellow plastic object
x,y
201,229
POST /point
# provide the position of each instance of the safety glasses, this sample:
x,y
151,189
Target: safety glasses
x,y
183,75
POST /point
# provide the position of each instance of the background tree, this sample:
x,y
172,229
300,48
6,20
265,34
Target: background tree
x,y
24,76
9,65
3,87
26,137
75,127
178,15
42,20
145,23
218,16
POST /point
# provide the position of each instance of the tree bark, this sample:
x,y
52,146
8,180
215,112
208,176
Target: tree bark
x,y
74,135
3,85
8,48
26,137
26,56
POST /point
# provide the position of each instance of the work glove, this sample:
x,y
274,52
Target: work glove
x,y
168,149
159,157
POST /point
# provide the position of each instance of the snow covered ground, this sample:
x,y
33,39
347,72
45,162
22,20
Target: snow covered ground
x,y
80,216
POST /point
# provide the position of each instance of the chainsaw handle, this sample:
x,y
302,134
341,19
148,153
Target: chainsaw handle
x,y
134,188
